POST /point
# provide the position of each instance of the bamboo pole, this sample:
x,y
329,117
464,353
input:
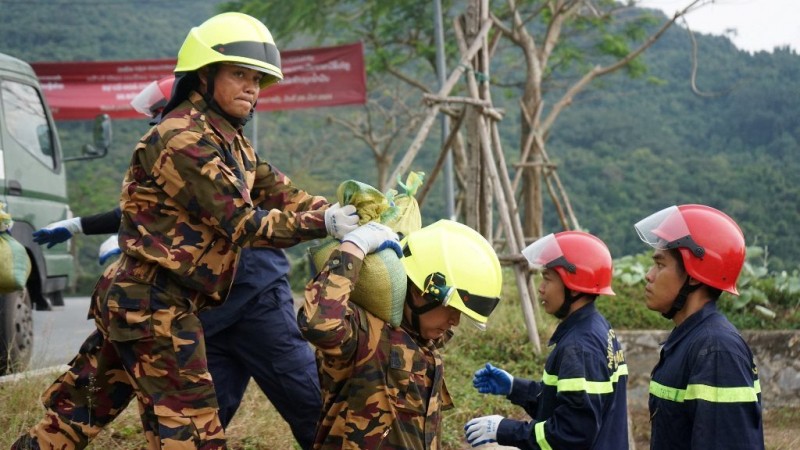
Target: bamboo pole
x,y
512,236
442,155
427,123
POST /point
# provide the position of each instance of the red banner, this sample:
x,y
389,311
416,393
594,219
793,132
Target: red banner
x,y
316,77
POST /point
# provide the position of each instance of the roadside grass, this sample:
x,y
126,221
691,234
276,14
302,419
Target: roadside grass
x,y
257,426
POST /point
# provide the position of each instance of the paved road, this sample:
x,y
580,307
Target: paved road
x,y
58,334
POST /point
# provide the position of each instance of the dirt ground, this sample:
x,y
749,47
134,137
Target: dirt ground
x,y
781,428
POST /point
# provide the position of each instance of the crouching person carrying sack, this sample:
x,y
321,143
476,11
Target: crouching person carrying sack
x,y
383,384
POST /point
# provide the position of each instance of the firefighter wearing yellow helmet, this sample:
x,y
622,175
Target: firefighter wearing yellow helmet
x,y
452,265
232,38
389,379
194,195
223,42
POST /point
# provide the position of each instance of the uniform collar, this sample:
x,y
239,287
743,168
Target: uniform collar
x,y
689,325
224,128
571,321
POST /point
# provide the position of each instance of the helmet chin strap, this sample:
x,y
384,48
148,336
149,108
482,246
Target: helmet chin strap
x,y
680,300
569,299
417,311
208,96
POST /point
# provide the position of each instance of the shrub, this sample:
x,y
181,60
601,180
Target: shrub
x,y
767,300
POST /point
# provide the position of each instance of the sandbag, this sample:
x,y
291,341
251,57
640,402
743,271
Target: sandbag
x,y
405,215
382,282
15,266
397,209
381,285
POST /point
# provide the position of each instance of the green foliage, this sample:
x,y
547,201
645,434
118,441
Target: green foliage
x,y
613,45
627,309
91,31
625,147
396,33
767,300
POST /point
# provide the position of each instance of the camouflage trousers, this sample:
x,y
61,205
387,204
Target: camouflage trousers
x,y
148,344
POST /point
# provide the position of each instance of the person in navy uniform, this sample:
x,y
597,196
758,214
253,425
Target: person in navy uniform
x,y
704,391
580,403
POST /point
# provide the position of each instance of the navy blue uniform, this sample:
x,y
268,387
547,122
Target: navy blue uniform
x,y
704,392
254,333
581,400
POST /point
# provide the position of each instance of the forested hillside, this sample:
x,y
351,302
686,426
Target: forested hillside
x,y
625,148
631,146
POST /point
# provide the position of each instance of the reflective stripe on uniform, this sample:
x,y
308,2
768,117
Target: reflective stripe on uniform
x,y
540,439
707,393
583,385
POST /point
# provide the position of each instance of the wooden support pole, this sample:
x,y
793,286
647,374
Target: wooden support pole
x,y
554,198
427,123
429,180
513,236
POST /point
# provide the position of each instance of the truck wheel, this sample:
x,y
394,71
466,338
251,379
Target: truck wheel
x,y
16,331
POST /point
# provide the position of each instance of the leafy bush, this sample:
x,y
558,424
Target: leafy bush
x,y
767,300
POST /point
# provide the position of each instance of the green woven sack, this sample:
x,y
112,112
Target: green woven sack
x,y
381,286
15,266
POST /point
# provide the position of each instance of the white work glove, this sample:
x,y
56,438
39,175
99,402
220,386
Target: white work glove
x,y
373,237
109,248
482,430
58,232
340,220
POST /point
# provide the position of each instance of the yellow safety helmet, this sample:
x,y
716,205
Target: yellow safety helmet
x,y
454,265
232,38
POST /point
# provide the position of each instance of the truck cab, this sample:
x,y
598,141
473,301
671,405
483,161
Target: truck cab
x,y
33,188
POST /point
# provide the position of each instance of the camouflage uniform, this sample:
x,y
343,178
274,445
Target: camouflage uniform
x,y
383,387
195,192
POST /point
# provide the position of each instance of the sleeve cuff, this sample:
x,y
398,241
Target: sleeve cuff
x,y
522,391
344,264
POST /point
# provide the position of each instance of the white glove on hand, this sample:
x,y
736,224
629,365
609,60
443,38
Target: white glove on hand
x,y
340,220
58,232
482,430
372,237
72,225
109,248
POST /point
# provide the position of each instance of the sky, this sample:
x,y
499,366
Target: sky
x,y
759,24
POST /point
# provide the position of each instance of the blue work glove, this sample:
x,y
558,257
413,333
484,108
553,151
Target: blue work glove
x,y
58,232
373,237
493,380
109,248
482,430
340,220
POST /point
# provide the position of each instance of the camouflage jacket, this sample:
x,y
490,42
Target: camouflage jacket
x,y
382,387
196,191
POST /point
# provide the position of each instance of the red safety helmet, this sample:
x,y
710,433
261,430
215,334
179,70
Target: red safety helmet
x,y
581,260
711,243
153,98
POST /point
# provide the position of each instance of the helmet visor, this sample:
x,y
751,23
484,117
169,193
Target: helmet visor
x,y
662,228
545,253
476,307
150,101
259,51
259,56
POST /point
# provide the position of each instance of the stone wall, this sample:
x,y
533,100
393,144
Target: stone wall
x,y
777,355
